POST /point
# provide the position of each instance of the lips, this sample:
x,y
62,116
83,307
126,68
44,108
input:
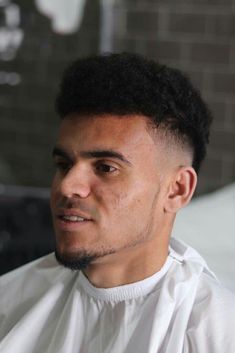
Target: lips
x,y
72,215
71,220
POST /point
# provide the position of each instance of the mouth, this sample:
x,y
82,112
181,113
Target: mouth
x,y
71,222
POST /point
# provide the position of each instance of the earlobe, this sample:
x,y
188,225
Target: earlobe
x,y
181,189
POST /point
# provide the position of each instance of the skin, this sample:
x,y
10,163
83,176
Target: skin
x,y
132,202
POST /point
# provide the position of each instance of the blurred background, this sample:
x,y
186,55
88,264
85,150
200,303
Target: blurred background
x,y
38,38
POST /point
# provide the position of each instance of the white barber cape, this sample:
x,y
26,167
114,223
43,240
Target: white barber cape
x,y
45,308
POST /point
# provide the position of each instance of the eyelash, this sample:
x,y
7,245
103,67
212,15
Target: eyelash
x,y
106,165
65,166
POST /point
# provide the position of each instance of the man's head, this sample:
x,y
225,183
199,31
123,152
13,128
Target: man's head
x,y
133,133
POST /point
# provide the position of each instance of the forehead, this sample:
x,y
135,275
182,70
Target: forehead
x,y
107,131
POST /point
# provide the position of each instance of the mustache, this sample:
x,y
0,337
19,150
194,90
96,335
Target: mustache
x,y
78,205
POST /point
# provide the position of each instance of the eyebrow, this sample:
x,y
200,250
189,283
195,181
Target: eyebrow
x,y
97,153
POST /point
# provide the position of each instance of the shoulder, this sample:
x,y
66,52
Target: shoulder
x,y
23,288
214,298
211,324
25,282
211,307
32,279
36,268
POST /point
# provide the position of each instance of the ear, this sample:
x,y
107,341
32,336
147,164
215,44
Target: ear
x,y
181,189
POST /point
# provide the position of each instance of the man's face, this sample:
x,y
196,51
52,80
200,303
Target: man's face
x,y
108,190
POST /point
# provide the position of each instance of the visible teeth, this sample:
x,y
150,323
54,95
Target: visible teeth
x,y
73,218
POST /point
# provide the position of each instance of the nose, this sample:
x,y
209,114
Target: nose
x,y
75,183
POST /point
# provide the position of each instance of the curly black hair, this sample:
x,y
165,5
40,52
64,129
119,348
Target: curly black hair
x,y
128,83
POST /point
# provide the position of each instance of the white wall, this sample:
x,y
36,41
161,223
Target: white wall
x,y
208,224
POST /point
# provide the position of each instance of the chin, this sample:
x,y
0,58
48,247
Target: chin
x,y
78,259
75,261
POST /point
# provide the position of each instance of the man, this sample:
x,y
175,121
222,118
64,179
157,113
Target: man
x,y
132,137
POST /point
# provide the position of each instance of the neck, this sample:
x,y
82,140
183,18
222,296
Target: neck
x,y
129,265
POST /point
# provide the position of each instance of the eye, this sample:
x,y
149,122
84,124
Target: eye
x,y
105,168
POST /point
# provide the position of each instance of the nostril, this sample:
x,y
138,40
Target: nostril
x,y
73,188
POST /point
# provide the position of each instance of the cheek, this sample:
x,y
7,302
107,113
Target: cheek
x,y
142,199
111,201
131,199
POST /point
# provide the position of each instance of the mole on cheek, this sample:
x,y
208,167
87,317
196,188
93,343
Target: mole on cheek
x,y
99,197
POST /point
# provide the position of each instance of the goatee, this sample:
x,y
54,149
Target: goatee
x,y
75,262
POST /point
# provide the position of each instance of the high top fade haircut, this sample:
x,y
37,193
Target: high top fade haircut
x,y
125,83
